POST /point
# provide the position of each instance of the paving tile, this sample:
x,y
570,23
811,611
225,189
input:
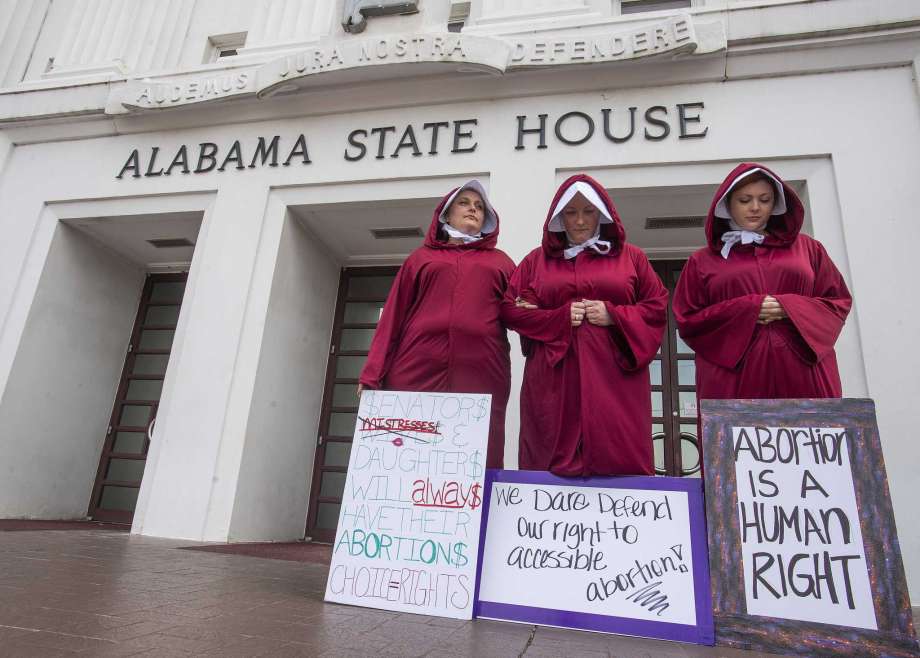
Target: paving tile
x,y
281,612
163,652
182,612
11,633
106,594
163,642
698,651
61,642
117,650
129,631
565,650
246,647
162,617
58,621
476,643
215,633
630,647
296,650
584,640
83,618
25,650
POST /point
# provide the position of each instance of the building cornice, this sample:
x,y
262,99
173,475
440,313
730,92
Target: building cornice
x,y
321,79
414,55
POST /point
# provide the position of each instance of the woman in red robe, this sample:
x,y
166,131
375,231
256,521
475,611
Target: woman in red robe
x,y
762,305
591,312
440,327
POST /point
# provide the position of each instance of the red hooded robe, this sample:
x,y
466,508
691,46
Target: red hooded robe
x,y
717,303
586,399
440,327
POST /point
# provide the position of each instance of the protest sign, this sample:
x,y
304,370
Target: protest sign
x,y
408,532
615,554
803,546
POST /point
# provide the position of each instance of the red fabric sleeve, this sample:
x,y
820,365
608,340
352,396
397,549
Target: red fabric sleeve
x,y
552,327
638,327
720,332
819,318
389,329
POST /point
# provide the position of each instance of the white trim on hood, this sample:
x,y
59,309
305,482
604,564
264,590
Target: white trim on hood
x,y
588,192
489,222
779,207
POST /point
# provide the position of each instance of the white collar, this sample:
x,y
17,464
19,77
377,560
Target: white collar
x,y
738,234
460,235
594,243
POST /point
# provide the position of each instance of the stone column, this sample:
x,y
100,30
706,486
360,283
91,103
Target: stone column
x,y
94,38
194,460
20,25
158,36
282,25
487,13
525,8
122,36
528,6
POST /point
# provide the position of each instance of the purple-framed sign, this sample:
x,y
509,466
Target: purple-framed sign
x,y
802,542
620,555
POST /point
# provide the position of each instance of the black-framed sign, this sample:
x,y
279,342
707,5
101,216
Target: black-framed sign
x,y
804,554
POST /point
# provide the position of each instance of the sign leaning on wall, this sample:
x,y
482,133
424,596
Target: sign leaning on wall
x,y
803,547
408,532
620,555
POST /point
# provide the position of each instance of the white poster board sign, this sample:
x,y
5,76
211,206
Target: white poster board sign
x,y
408,533
624,555
801,543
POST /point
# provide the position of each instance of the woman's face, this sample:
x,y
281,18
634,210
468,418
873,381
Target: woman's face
x,y
752,204
580,219
467,212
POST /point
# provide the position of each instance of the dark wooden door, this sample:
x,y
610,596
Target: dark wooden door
x,y
674,409
362,292
127,439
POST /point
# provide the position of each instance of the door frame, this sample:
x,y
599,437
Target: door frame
x,y
670,385
327,409
94,511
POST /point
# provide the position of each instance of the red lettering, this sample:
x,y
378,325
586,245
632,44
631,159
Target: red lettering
x,y
399,425
449,495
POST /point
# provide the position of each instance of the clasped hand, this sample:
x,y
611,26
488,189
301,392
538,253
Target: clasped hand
x,y
592,310
771,311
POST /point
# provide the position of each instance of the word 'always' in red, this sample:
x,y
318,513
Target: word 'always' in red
x,y
451,495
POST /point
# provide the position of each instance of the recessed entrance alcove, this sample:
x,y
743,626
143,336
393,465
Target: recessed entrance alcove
x,y
90,268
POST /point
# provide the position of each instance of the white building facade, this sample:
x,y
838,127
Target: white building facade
x,y
203,202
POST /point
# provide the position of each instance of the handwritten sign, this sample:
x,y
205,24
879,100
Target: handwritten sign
x,y
408,532
801,545
801,532
622,555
